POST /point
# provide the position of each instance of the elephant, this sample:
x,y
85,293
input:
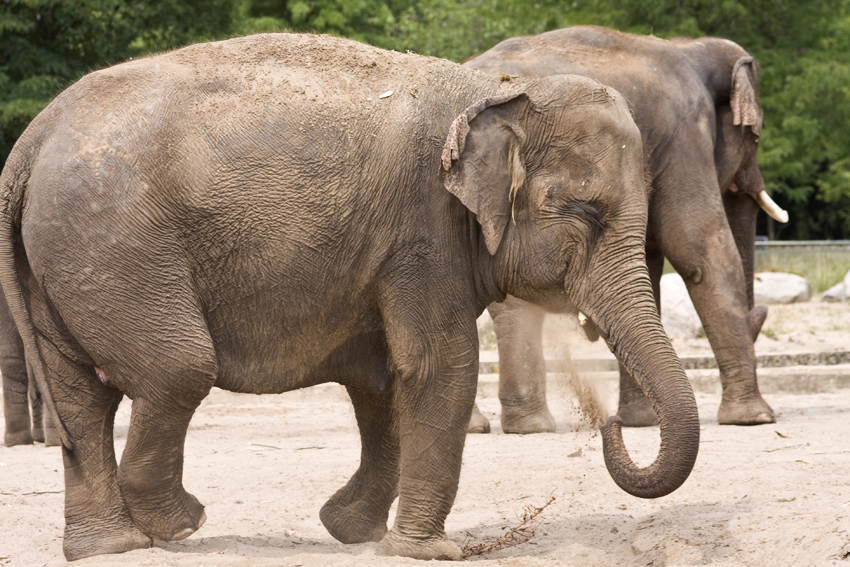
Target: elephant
x,y
18,392
267,213
695,103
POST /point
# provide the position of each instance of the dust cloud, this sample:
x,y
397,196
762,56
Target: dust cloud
x,y
563,342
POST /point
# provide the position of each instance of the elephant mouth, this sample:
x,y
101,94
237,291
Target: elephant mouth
x,y
591,329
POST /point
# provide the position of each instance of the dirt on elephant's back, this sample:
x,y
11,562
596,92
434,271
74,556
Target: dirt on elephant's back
x,y
317,66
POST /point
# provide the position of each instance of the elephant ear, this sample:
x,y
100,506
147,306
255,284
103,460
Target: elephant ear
x,y
481,162
745,108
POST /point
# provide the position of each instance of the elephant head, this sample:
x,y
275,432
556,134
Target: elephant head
x,y
555,179
738,126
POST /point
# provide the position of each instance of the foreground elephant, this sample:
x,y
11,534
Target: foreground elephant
x,y
695,103
272,212
18,392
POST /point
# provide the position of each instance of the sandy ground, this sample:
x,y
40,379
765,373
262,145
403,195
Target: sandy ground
x,y
264,465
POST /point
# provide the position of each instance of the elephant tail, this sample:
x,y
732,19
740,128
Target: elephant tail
x,y
13,262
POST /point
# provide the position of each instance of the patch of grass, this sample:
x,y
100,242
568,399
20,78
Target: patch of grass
x,y
823,265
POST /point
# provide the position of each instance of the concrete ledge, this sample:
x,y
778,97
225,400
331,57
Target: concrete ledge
x,y
788,379
489,361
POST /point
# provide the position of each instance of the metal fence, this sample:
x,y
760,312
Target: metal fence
x,y
823,262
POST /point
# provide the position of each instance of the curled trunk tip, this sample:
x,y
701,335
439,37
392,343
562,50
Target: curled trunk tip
x,y
665,475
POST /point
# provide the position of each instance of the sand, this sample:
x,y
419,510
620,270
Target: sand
x,y
770,495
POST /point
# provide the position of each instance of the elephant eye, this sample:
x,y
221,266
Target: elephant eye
x,y
550,192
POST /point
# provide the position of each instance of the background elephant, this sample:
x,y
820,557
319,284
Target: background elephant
x,y
695,103
18,391
272,212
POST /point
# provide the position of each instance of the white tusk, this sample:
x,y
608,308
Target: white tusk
x,y
582,319
771,208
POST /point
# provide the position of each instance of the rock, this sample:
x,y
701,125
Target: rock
x,y
678,315
836,293
776,287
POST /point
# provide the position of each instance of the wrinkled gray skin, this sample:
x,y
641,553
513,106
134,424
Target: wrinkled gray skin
x,y
17,394
701,157
252,215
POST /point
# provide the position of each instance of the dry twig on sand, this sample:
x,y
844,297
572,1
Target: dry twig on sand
x,y
521,533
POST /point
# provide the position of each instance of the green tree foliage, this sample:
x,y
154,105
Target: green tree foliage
x,y
47,44
370,21
803,49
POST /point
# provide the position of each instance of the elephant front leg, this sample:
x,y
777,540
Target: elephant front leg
x,y
433,349
358,512
714,276
96,519
522,367
432,420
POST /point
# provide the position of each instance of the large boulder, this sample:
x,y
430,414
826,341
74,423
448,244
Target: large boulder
x,y
678,315
777,287
835,294
838,292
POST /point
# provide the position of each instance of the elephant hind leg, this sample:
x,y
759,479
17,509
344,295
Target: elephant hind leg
x,y
168,389
522,367
478,422
96,519
15,410
15,385
358,512
634,408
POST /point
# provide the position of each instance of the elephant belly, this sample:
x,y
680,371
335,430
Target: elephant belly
x,y
278,358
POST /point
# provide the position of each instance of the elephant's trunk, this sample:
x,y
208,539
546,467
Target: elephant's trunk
x,y
634,333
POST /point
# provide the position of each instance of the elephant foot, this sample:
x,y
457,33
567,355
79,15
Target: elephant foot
x,y
51,437
752,411
102,536
17,421
165,522
477,422
351,524
46,434
523,420
38,434
438,547
12,438
636,410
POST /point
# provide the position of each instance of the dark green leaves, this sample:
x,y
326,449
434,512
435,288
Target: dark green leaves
x,y
803,49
